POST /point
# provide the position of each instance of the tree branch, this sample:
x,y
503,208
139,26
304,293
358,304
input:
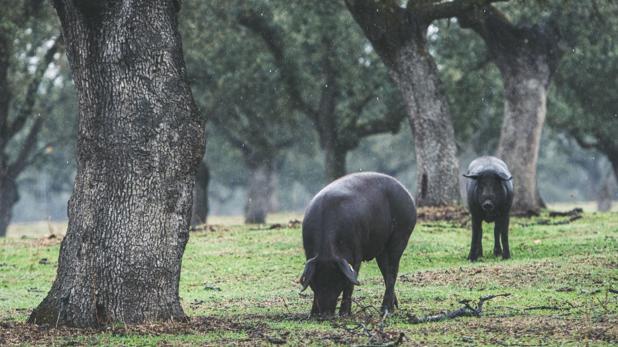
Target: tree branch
x,y
465,311
273,39
386,24
21,161
431,11
390,122
26,109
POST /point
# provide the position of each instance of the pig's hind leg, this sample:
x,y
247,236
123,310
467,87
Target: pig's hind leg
x,y
388,262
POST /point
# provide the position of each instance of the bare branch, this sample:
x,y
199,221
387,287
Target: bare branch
x,y
465,311
447,9
273,38
386,24
390,122
21,161
26,108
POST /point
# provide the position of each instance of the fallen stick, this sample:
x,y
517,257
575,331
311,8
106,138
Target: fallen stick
x,y
465,311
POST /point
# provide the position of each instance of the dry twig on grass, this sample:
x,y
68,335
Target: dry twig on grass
x,y
364,324
465,311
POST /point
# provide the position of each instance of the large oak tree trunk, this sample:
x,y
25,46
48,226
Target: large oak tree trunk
x,y
524,115
526,56
259,191
200,195
140,141
399,38
416,75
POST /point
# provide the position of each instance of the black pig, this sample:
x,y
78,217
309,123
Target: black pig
x,y
490,195
355,218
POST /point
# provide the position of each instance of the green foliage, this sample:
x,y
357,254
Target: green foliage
x,y
472,85
584,98
248,277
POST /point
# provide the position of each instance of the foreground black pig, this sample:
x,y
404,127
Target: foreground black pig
x,y
490,195
357,217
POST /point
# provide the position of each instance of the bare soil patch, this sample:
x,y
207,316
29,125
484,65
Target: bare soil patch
x,y
508,275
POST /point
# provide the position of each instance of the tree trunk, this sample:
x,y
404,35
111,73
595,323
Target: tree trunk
x,y
524,115
612,156
400,39
200,195
605,194
335,162
608,185
140,141
274,204
6,192
416,76
8,199
526,56
259,191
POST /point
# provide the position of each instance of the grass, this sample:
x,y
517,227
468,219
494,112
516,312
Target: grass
x,y
239,285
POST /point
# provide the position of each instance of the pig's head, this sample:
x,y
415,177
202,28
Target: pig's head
x,y
491,190
327,279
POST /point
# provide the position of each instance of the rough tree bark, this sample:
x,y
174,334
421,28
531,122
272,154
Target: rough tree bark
x,y
398,35
259,191
526,57
140,141
200,195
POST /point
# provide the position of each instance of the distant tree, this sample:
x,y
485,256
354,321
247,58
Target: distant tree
x,y
260,127
200,195
28,46
585,98
399,36
238,89
140,141
328,73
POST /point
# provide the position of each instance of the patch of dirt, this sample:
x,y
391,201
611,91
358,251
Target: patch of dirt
x,y
12,333
447,213
209,227
514,276
554,328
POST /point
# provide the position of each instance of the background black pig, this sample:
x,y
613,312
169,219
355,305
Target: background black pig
x,y
355,218
490,195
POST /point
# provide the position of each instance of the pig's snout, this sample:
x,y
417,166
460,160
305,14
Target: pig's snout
x,y
487,206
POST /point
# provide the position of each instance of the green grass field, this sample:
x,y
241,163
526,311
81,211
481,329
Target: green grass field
x,y
239,286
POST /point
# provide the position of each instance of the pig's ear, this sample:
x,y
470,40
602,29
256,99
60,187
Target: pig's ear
x,y
348,271
307,275
505,176
472,176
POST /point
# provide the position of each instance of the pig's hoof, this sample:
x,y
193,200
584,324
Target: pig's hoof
x,y
497,252
506,256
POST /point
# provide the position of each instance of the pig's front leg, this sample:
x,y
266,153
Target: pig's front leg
x,y
476,247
